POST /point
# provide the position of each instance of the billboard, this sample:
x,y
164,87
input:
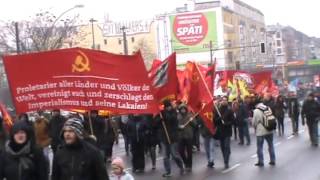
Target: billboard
x,y
193,32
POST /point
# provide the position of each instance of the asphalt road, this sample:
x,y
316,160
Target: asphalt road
x,y
296,160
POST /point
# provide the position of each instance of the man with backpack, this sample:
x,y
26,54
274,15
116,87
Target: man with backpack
x,y
264,123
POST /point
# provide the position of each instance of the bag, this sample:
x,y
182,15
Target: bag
x,y
269,120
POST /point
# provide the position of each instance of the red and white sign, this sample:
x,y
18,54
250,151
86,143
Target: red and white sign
x,y
190,29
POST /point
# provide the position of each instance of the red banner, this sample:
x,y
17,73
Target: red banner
x,y
7,119
263,82
164,78
80,79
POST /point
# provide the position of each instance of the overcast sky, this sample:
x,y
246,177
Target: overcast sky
x,y
301,15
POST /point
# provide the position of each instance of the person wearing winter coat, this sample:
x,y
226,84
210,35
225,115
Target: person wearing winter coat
x,y
77,159
118,170
136,131
224,126
167,123
55,126
208,142
151,138
21,159
3,135
311,112
186,136
294,112
279,111
263,134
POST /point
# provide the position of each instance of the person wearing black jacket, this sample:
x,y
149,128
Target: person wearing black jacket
x,y
242,120
136,131
151,138
224,125
21,159
311,112
279,111
55,126
77,159
294,112
167,123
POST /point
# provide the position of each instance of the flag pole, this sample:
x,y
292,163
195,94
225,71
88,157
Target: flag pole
x,y
165,128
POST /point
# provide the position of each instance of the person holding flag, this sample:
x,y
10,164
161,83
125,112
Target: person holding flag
x,y
168,125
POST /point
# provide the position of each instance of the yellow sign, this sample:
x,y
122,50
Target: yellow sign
x,y
81,63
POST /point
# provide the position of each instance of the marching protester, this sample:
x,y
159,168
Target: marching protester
x,y
311,112
21,159
55,126
25,118
224,129
41,127
109,137
151,138
208,142
118,172
168,126
186,134
265,124
279,112
294,112
123,125
242,120
136,131
77,159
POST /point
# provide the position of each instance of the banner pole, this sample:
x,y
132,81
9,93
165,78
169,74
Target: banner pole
x,y
90,123
165,128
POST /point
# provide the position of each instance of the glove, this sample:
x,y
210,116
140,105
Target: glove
x,y
93,137
181,127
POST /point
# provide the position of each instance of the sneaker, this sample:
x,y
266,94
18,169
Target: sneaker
x,y
272,163
240,143
165,175
188,170
259,164
153,167
226,166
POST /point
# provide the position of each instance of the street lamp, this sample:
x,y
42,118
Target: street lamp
x,y
92,30
125,45
66,11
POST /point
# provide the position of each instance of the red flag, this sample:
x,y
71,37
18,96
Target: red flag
x,y
7,120
262,81
164,78
80,78
200,98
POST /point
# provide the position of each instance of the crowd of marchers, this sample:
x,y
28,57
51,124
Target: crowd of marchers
x,y
80,145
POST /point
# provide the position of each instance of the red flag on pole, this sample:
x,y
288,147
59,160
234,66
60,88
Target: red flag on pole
x,y
7,120
200,98
164,79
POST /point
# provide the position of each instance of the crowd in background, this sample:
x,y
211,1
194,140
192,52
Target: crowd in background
x,y
80,145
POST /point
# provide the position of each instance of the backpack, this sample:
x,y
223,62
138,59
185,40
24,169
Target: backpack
x,y
269,120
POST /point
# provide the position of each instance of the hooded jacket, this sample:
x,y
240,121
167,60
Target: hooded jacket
x,y
22,161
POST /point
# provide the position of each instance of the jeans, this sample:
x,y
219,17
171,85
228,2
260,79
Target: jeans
x,y
185,150
225,148
313,131
260,140
209,148
171,149
244,132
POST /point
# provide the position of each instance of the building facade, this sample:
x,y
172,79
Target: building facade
x,y
235,29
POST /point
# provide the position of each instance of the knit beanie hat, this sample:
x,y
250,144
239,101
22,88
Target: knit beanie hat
x,y
76,125
118,162
167,103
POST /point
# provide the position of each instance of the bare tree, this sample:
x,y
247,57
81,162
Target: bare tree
x,y
147,52
42,32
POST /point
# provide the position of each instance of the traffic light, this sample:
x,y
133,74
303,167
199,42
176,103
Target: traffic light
x,y
262,48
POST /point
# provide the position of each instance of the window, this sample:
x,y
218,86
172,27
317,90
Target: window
x,y
119,41
98,46
279,43
279,51
105,42
278,35
132,39
230,57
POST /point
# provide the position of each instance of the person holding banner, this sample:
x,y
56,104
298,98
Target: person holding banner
x,y
168,125
55,126
208,142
